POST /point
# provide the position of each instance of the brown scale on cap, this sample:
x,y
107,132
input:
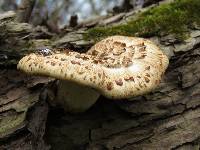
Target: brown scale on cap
x,y
29,58
119,82
129,79
117,67
53,63
142,49
75,62
147,68
148,75
146,79
110,86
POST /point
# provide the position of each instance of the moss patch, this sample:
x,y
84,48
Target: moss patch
x,y
10,123
173,18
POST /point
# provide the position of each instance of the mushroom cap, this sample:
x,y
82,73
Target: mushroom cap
x,y
118,66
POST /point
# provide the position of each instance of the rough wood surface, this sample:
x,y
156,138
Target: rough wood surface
x,y
23,114
168,118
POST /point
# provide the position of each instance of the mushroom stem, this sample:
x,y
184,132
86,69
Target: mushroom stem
x,y
74,97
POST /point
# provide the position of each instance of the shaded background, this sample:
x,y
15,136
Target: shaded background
x,y
60,11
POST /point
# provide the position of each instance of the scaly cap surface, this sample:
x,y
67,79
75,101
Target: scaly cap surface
x,y
117,67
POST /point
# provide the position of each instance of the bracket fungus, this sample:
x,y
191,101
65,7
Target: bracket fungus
x,y
117,67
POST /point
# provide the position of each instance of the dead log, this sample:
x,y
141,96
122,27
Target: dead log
x,y
23,114
167,118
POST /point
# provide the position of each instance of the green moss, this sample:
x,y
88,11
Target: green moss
x,y
173,18
10,123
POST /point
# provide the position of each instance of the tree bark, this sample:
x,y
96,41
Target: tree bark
x,y
25,9
168,118
23,113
